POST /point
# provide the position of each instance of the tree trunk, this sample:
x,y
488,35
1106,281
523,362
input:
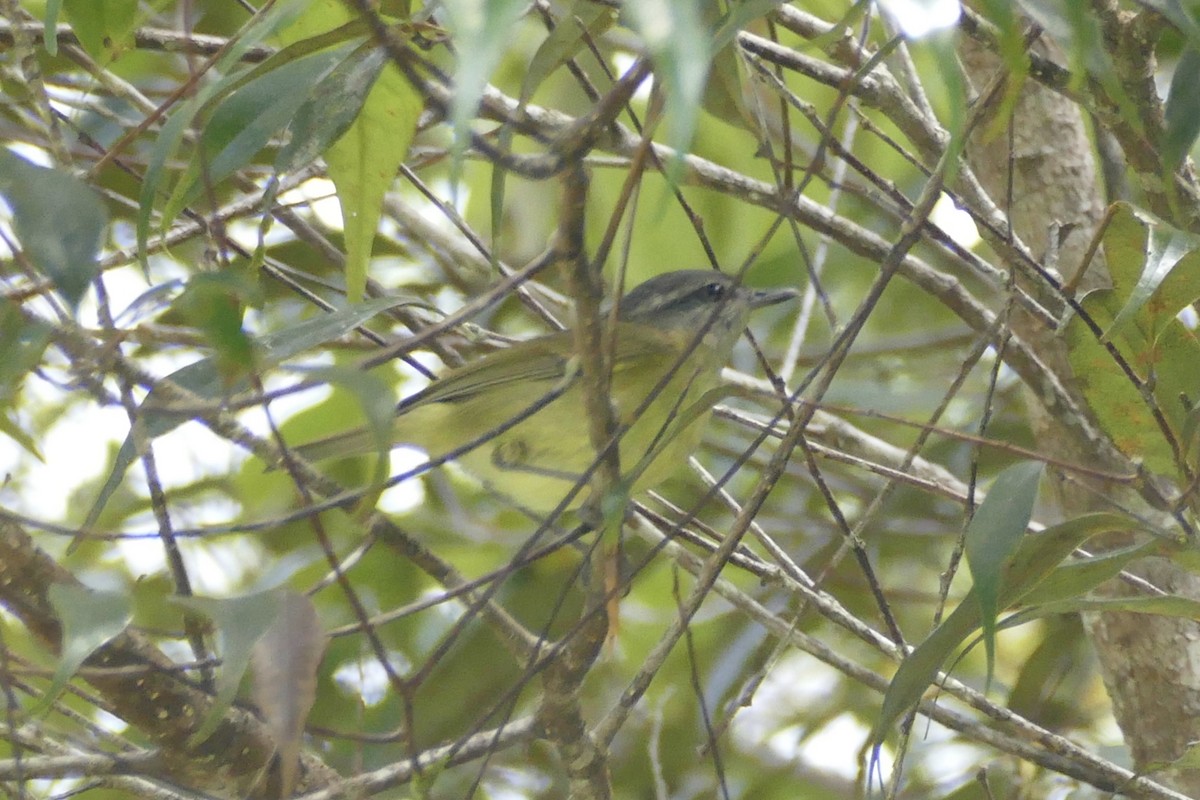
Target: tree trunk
x,y
1150,664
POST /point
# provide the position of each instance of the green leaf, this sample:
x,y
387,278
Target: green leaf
x,y
104,27
245,121
378,402
1163,606
331,108
240,622
582,19
1170,276
740,14
941,46
165,146
204,380
1034,561
41,200
1011,45
90,619
12,429
214,302
1078,577
50,20
22,343
992,537
681,46
1183,110
266,23
363,162
1155,272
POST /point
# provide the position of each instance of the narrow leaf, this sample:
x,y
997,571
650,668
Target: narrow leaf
x,y
483,31
1036,558
41,199
992,537
240,622
331,107
90,619
266,23
1076,578
50,20
583,18
245,121
1163,606
1183,109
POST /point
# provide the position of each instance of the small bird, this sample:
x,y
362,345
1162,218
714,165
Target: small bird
x,y
519,417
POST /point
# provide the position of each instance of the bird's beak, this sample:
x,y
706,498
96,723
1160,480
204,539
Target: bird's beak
x,y
760,298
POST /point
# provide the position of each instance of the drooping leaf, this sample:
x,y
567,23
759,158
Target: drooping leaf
x,y
22,343
246,120
583,19
992,537
285,660
483,30
90,619
214,303
42,200
331,107
50,20
1077,578
363,161
1163,606
240,622
266,23
1183,109
1033,562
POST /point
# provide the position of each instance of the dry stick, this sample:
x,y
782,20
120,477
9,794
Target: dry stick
x,y
481,744
949,291
81,350
1024,740
192,623
560,712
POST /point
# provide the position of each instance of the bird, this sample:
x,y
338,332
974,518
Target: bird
x,y
516,418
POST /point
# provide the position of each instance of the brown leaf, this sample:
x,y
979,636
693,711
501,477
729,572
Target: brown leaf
x,y
285,678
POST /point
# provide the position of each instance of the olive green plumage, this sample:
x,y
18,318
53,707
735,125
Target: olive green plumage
x,y
536,459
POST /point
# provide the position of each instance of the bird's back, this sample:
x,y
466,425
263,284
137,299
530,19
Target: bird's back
x,y
539,446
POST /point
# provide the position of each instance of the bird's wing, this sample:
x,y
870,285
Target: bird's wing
x,y
541,360
544,360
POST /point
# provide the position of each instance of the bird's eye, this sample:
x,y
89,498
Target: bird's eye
x,y
715,290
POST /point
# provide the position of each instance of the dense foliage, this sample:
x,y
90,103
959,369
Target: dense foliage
x,y
232,229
